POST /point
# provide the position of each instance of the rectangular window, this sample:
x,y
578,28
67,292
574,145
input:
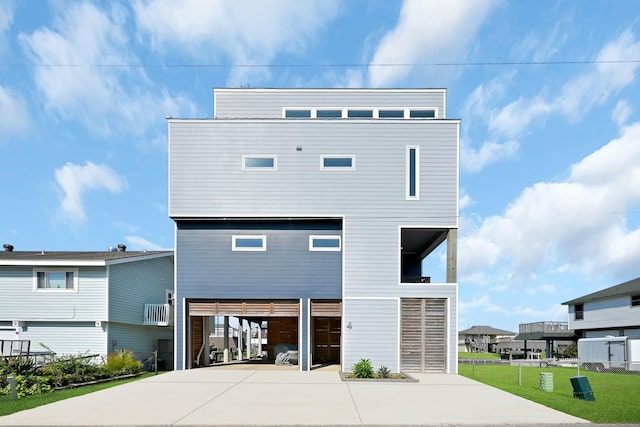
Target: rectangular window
x,y
413,172
329,114
259,162
338,162
56,280
360,114
297,114
635,300
249,243
422,114
579,311
324,243
391,114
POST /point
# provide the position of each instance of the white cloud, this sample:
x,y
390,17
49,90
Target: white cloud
x,y
14,117
140,244
621,112
248,32
427,31
465,200
577,96
580,223
473,160
76,181
82,45
484,304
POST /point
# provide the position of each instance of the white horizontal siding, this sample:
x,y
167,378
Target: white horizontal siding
x,y
207,180
606,313
268,103
132,285
19,301
66,338
141,340
373,334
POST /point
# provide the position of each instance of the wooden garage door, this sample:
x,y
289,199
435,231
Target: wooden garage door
x,y
423,334
326,339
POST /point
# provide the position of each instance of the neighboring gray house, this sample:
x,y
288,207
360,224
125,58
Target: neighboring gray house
x,y
482,339
313,210
87,302
611,311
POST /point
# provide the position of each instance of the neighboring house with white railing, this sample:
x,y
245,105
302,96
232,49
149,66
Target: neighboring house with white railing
x,y
88,302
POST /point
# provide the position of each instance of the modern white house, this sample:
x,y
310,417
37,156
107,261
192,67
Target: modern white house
x,y
88,303
612,311
329,214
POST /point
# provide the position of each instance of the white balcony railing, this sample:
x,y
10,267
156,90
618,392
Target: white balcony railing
x,y
158,314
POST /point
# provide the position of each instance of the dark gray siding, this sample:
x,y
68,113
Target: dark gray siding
x,y
268,103
208,268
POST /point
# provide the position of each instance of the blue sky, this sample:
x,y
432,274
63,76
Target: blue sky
x,y
548,94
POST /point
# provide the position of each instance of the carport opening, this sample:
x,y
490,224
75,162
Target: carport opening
x,y
251,332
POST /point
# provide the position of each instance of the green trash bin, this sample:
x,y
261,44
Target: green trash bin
x,y
546,381
582,388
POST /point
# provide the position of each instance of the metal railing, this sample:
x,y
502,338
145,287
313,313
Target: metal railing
x,y
544,327
158,314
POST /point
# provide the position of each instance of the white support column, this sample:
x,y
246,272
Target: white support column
x,y
260,339
240,336
226,340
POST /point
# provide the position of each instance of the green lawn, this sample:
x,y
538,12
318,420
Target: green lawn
x,y
9,406
617,396
484,356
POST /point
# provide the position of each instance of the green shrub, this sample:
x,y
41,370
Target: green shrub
x,y
26,385
363,369
383,372
122,362
571,351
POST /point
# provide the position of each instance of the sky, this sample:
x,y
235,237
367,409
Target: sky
x,y
548,95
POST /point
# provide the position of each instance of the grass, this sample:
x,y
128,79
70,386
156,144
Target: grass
x,y
484,356
9,406
616,395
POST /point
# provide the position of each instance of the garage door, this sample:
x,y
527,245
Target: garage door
x,y
423,334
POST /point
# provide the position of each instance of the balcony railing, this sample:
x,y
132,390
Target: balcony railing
x,y
416,279
544,327
158,314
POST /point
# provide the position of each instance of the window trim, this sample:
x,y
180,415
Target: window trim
x,y
313,248
338,156
635,301
236,237
37,270
579,316
259,168
415,176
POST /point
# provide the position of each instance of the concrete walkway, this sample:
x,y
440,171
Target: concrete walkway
x,y
270,397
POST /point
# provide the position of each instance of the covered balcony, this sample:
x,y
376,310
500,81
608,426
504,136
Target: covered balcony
x,y
417,244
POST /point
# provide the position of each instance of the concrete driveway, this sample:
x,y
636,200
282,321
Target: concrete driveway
x,y
211,396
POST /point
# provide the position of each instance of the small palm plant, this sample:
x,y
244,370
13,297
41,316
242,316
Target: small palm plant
x,y
383,372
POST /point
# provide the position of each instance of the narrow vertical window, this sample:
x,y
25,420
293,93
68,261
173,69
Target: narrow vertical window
x,y
413,172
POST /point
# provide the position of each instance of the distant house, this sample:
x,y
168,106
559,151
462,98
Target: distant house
x,y
482,339
87,302
611,311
